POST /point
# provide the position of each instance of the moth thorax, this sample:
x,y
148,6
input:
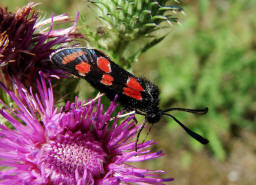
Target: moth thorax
x,y
153,116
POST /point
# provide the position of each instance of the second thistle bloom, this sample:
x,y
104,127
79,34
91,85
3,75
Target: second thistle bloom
x,y
73,145
26,42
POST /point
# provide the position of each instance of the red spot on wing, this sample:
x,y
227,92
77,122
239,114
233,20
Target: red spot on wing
x,y
133,89
71,57
132,93
107,79
83,68
103,64
134,84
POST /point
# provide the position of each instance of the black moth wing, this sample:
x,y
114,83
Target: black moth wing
x,y
149,101
58,57
150,94
93,76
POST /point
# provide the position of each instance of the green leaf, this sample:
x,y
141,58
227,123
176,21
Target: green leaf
x,y
147,46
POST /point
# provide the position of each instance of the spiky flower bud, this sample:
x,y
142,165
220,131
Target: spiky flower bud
x,y
129,22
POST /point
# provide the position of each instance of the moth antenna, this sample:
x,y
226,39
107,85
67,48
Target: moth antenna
x,y
193,111
138,135
190,132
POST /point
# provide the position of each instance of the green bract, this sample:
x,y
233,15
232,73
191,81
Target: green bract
x,y
132,26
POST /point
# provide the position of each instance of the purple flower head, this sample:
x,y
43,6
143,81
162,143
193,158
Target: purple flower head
x,y
71,145
26,43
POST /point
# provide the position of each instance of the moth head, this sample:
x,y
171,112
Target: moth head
x,y
153,116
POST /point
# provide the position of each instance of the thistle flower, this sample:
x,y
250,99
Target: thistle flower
x,y
26,42
72,145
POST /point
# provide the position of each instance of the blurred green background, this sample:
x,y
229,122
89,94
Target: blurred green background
x,y
207,60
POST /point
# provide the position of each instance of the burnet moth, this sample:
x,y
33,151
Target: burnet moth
x,y
133,93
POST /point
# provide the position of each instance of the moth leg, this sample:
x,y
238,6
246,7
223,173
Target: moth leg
x,y
138,135
99,95
123,115
126,114
149,129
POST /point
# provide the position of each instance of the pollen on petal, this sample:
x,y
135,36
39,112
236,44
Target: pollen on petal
x,y
73,153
